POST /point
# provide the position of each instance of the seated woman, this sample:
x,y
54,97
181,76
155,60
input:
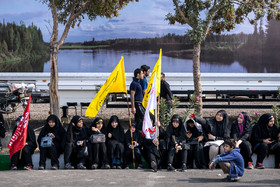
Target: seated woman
x,y
265,140
115,141
55,131
76,152
133,146
176,139
151,144
97,150
216,128
195,137
240,132
27,151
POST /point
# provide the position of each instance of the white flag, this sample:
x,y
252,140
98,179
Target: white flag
x,y
148,128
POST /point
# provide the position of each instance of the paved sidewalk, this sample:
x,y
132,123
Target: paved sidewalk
x,y
195,177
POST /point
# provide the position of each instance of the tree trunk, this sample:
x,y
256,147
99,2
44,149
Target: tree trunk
x,y
197,77
54,96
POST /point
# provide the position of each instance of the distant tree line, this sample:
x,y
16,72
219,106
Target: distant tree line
x,y
21,42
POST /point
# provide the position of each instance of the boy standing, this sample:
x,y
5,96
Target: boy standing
x,y
231,161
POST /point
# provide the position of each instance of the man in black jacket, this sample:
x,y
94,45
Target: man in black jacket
x,y
165,91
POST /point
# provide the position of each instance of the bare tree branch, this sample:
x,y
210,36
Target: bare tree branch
x,y
182,13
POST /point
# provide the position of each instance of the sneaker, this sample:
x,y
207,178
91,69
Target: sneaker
x,y
105,166
81,166
28,167
250,165
119,167
184,167
41,168
94,166
13,167
234,179
126,167
114,167
140,166
170,168
54,167
259,166
154,166
68,166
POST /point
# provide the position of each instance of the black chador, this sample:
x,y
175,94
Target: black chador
x,y
115,141
98,150
76,150
53,129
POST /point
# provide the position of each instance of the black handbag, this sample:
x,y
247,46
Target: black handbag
x,y
83,151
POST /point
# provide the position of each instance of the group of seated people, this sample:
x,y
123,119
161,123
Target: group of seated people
x,y
182,143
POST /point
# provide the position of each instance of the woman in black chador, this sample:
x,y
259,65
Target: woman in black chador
x,y
265,139
135,144
176,139
76,150
27,151
240,132
115,141
216,128
56,132
98,150
194,138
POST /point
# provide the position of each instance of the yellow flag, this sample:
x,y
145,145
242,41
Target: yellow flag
x,y
114,84
157,69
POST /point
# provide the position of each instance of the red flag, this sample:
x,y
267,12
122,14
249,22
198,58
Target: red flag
x,y
18,139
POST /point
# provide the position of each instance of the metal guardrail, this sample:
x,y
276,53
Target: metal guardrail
x,y
82,87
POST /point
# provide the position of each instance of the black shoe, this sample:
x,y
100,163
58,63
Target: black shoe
x,y
184,167
54,167
154,166
170,168
119,167
41,168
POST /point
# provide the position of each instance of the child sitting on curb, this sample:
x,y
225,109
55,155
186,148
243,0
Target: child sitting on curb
x,y
231,161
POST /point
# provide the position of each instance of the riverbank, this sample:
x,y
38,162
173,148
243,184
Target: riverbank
x,y
83,47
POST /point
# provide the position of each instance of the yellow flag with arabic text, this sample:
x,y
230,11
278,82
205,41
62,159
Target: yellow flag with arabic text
x,y
157,70
114,84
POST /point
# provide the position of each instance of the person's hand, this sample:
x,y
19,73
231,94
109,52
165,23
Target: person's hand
x,y
200,138
211,137
211,166
189,134
133,110
238,143
81,142
155,141
95,129
178,148
51,135
157,123
109,135
267,141
131,146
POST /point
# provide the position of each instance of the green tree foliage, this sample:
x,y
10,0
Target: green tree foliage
x,y
204,17
21,42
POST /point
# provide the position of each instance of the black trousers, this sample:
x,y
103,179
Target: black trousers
x,y
26,157
129,157
151,153
70,154
98,153
49,152
139,115
263,149
246,151
115,149
172,152
196,153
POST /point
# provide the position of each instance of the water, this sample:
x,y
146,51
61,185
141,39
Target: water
x,y
103,60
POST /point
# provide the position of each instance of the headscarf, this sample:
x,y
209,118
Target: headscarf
x,y
118,132
263,122
94,123
178,132
220,128
75,133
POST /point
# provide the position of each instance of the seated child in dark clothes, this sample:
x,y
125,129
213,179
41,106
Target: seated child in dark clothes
x,y
231,161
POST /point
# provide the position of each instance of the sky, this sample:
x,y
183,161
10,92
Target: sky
x,y
142,19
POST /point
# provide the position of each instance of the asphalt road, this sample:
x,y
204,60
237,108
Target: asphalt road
x,y
195,177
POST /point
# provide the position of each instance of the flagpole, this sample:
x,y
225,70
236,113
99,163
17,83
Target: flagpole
x,y
20,153
131,134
